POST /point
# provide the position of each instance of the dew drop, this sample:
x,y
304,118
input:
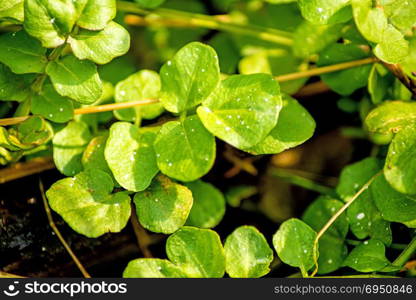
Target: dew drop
x,y
360,216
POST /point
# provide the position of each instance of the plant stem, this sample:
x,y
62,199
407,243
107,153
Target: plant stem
x,y
326,69
23,169
143,239
211,22
406,254
59,235
302,181
8,275
335,217
88,110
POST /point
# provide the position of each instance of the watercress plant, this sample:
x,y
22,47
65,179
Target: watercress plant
x,y
153,158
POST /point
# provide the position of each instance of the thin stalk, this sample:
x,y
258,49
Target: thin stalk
x,y
87,110
302,181
143,239
59,235
326,69
336,216
23,169
406,254
211,22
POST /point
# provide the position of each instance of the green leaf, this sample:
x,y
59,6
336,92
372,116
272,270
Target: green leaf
x,y
275,62
310,39
243,109
28,135
22,53
52,106
189,78
142,85
367,257
85,202
247,253
401,13
198,252
294,126
164,206
208,207
152,268
68,146
149,3
12,86
93,156
354,176
347,81
391,117
400,167
130,155
325,11
294,244
185,150
101,46
51,21
374,26
97,14
379,81
332,247
76,79
394,206
364,217
12,10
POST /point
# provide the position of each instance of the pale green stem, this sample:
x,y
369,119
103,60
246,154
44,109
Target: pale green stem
x,y
211,22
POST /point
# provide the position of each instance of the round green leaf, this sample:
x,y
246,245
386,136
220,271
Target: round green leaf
x,y
152,268
208,207
367,257
130,155
12,9
354,176
52,106
394,206
374,26
325,11
364,217
247,253
189,77
243,109
198,252
68,146
391,117
76,79
12,86
85,202
101,46
164,206
185,150
97,14
142,85
93,156
22,53
347,81
294,126
400,167
332,247
311,39
294,244
51,21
